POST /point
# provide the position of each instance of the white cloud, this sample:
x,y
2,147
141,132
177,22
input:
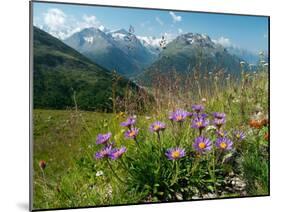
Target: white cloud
x,y
61,25
54,18
91,21
223,41
180,31
159,21
175,17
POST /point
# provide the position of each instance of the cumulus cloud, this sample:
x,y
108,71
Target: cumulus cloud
x,y
54,18
175,17
223,41
61,25
159,21
91,20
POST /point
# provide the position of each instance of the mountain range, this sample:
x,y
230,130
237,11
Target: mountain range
x,y
188,51
115,50
62,75
132,55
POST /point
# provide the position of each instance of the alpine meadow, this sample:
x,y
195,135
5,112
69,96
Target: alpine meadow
x,y
137,106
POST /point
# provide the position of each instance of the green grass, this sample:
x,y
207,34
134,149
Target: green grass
x,y
65,139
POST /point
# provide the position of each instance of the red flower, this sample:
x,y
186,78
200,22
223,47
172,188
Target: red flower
x,y
42,164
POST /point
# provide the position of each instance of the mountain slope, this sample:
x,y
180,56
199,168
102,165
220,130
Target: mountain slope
x,y
244,54
190,50
60,72
111,50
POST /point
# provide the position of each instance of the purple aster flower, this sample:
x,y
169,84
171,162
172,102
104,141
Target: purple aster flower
x,y
157,126
117,153
175,153
198,108
221,133
129,122
202,144
219,122
224,143
179,115
200,115
199,123
132,133
239,135
103,138
104,152
218,115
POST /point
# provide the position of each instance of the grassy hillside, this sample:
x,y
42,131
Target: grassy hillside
x,y
62,76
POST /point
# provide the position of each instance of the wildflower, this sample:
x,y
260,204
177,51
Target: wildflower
x,y
42,164
117,153
157,126
258,123
203,100
210,128
202,144
200,122
132,133
179,115
175,153
200,115
218,115
239,135
99,173
224,143
219,122
129,122
221,133
198,108
103,138
104,152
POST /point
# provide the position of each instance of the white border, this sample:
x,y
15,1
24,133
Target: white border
x,y
14,90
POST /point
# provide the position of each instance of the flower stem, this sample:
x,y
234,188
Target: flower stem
x,y
114,173
45,185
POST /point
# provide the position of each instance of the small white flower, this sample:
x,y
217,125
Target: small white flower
x,y
210,128
204,100
99,173
147,117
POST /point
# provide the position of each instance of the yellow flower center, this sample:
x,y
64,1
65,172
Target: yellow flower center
x,y
238,136
132,134
223,145
176,154
202,145
179,117
199,124
156,127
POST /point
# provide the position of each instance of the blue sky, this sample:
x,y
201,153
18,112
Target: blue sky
x,y
61,20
